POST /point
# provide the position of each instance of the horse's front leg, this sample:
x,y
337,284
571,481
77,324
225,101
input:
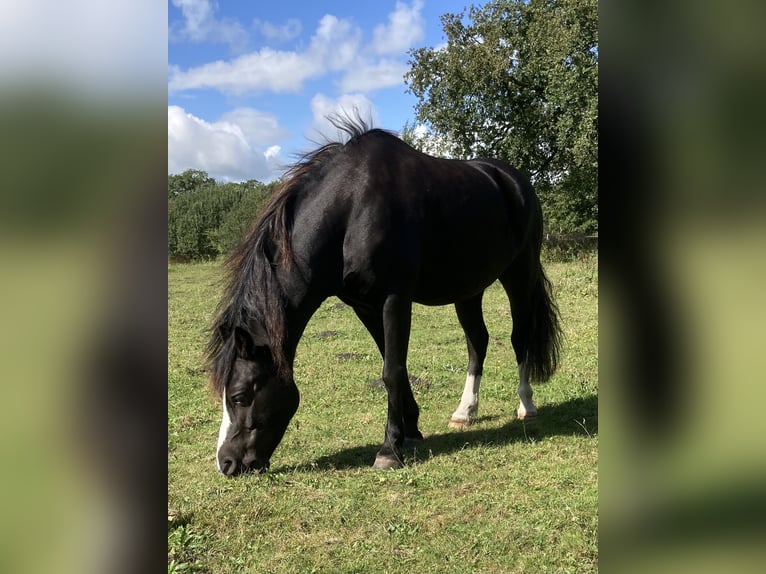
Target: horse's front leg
x,y
397,312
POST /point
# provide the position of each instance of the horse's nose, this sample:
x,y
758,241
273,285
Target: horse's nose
x,y
229,466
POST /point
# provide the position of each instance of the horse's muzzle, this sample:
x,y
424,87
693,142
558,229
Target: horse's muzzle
x,y
231,467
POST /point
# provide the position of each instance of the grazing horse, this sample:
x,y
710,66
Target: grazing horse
x,y
381,226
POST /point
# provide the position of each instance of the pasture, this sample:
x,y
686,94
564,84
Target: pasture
x,y
501,496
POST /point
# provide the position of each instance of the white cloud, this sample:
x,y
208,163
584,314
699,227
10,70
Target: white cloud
x,y
369,77
197,14
273,151
346,106
279,33
335,42
333,47
201,25
224,149
259,128
267,69
404,28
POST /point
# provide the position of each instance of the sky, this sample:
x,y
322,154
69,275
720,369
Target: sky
x,y
250,83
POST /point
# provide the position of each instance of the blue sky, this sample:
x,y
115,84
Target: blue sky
x,y
249,83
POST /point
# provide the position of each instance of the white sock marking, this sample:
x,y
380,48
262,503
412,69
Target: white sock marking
x,y
526,406
223,431
469,402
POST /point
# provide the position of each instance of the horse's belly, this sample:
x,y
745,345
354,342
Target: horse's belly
x,y
466,259
457,280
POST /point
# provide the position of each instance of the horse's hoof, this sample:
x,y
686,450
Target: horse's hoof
x,y
387,462
526,416
459,424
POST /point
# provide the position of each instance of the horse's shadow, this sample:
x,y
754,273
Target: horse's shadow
x,y
576,417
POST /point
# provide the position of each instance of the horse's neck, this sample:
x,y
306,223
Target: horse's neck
x,y
302,302
305,284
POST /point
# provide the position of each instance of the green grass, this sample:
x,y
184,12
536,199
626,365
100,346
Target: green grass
x,y
502,496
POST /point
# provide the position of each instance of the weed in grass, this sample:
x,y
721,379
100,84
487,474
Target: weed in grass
x,y
185,548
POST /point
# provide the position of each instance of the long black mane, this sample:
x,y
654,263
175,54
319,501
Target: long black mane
x,y
252,291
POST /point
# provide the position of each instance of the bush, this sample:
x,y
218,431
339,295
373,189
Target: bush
x,y
238,220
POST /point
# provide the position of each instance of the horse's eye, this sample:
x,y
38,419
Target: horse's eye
x,y
240,400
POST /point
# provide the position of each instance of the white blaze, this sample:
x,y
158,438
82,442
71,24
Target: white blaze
x,y
224,430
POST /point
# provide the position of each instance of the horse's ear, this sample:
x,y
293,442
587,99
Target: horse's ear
x,y
244,343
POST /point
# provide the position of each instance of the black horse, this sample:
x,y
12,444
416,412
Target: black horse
x,y
379,225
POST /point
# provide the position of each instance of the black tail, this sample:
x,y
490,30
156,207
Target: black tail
x,y
544,334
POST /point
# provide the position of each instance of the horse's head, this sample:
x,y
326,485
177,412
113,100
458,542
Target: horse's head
x,y
257,407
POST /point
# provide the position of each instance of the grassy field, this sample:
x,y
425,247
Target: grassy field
x,y
502,496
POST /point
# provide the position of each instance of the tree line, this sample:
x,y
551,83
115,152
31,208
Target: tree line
x,y
207,218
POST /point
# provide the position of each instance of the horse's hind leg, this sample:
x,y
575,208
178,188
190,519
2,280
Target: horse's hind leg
x,y
471,319
516,284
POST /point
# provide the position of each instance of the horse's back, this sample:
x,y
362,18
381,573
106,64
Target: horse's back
x,y
445,229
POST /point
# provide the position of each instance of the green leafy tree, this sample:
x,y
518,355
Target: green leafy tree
x,y
189,180
207,219
518,80
194,217
427,142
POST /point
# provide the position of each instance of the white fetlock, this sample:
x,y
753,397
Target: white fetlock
x,y
468,408
527,409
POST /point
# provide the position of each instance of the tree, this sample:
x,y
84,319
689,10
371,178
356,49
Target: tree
x,y
518,80
427,142
194,217
187,181
206,218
